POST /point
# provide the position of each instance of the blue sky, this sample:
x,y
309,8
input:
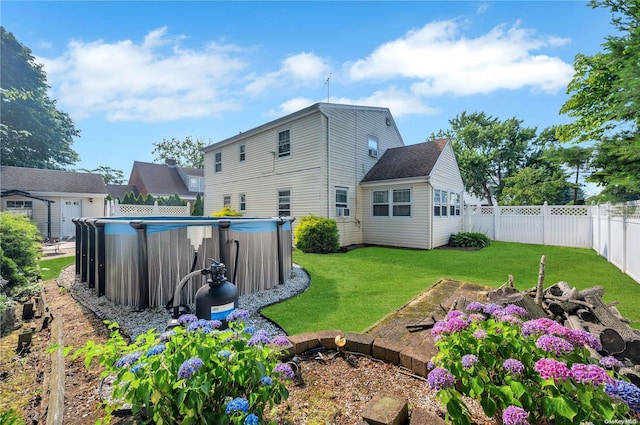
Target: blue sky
x,y
133,73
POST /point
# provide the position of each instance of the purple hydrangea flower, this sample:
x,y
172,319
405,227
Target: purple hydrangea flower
x,y
509,318
513,366
625,391
477,317
590,374
551,369
610,362
187,318
537,326
238,315
215,324
238,404
454,313
455,324
514,415
128,359
154,351
475,306
582,338
469,360
266,380
189,367
431,365
554,344
493,309
515,310
282,341
260,337
285,370
440,378
480,334
251,419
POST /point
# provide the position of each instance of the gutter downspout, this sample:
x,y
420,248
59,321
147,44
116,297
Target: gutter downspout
x,y
328,164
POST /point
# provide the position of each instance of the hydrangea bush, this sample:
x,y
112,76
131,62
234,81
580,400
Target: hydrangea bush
x,y
524,372
195,373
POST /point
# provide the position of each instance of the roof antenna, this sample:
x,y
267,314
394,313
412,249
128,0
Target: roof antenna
x,y
327,85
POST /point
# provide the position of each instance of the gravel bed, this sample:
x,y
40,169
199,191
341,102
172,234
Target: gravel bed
x,y
134,323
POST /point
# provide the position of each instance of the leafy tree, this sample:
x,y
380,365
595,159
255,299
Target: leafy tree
x,y
109,175
34,132
605,101
534,185
488,150
576,157
198,206
187,152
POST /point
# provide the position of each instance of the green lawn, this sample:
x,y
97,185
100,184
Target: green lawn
x,y
351,291
51,268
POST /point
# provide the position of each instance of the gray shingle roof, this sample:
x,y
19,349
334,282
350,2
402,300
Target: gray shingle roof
x,y
119,190
160,179
407,161
53,181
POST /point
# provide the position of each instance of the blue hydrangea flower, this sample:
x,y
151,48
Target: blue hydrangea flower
x,y
625,391
260,337
285,370
266,380
239,404
250,330
128,359
202,325
238,315
187,318
154,351
136,368
189,367
224,353
251,419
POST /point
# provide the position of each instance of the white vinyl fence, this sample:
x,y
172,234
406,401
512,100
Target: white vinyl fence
x,y
115,209
612,230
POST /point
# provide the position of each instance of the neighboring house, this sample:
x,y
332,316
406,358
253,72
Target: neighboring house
x,y
52,198
336,161
161,180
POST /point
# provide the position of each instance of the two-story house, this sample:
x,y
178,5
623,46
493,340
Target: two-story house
x,y
318,161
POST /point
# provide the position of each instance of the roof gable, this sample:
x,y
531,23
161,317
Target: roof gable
x,y
52,181
407,161
161,179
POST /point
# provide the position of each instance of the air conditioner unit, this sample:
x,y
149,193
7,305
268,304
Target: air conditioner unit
x,y
342,212
373,152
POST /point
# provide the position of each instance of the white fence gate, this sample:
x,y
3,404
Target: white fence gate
x,y
612,230
115,209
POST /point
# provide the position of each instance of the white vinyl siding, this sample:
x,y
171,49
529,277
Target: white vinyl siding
x,y
410,232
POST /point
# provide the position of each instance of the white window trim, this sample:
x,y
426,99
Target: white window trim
x,y
373,152
224,203
242,199
390,203
278,201
342,208
283,155
216,162
243,153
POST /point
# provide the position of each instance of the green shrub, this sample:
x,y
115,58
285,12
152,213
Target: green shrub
x,y
469,239
195,373
198,207
19,250
226,212
317,235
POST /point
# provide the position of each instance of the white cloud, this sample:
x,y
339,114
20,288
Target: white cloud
x,y
442,61
482,8
155,80
300,70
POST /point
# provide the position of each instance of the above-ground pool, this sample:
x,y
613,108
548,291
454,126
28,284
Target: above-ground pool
x,y
138,261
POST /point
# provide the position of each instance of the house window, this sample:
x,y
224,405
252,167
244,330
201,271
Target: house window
x,y
342,206
24,208
226,201
381,203
196,184
373,147
440,203
402,202
242,202
284,144
242,153
218,166
454,204
284,203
